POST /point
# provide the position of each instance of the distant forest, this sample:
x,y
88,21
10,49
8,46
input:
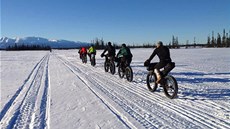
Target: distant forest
x,y
212,42
27,47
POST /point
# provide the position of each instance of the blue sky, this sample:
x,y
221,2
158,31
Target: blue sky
x,y
120,21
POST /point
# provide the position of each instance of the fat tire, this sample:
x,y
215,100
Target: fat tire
x,y
129,73
152,86
93,63
112,67
106,67
120,72
174,85
84,59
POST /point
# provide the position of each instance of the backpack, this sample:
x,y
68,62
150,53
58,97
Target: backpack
x,y
129,54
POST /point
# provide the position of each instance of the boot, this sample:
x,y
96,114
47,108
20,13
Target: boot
x,y
156,71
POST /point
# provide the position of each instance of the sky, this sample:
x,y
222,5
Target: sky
x,y
118,21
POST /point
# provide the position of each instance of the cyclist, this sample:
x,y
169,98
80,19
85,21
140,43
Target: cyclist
x,y
82,52
91,51
124,54
111,51
164,55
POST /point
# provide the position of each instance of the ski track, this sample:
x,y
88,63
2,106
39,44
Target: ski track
x,y
113,110
28,108
140,103
131,103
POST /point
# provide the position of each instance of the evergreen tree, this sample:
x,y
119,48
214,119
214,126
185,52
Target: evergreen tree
x,y
187,43
102,43
218,40
209,42
213,40
177,43
228,40
170,45
224,39
174,42
97,43
194,42
15,46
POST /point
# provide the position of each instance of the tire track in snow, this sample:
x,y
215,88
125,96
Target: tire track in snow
x,y
152,111
201,116
18,92
137,106
139,117
110,107
194,115
161,118
26,110
138,113
208,105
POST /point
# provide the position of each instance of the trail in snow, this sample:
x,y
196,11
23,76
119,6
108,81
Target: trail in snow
x,y
28,106
146,108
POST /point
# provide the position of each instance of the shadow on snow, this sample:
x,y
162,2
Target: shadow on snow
x,y
199,77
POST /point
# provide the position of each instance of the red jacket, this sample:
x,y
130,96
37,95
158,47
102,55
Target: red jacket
x,y
83,51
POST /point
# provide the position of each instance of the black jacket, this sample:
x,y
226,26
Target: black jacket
x,y
163,53
111,50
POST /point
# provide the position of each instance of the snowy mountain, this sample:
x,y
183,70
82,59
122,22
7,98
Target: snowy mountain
x,y
5,42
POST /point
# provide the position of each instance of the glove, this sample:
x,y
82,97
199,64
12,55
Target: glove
x,y
146,63
102,55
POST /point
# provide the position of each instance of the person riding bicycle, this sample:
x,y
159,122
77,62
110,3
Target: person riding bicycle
x,y
124,54
91,51
111,51
82,52
164,55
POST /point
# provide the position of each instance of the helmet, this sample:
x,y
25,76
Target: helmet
x,y
123,45
160,43
109,43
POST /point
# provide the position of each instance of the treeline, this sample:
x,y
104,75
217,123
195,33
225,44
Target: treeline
x,y
27,47
212,42
219,41
101,44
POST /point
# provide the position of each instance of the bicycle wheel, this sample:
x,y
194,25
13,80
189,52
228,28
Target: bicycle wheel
x,y
84,59
112,67
170,87
151,82
92,60
106,66
121,72
129,73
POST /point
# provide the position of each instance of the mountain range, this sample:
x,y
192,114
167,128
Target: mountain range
x,y
6,42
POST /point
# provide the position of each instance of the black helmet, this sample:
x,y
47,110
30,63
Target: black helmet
x,y
109,43
160,43
123,45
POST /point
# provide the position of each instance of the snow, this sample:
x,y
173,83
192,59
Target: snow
x,y
40,89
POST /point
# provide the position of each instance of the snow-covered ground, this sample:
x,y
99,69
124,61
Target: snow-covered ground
x,y
55,90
